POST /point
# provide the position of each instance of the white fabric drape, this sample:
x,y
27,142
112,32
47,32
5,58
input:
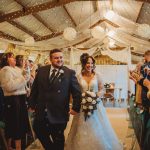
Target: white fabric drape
x,y
123,55
72,59
76,53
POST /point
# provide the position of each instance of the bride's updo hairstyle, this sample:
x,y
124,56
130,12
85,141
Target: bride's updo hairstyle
x,y
84,59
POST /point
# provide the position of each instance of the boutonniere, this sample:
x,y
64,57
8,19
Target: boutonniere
x,y
61,73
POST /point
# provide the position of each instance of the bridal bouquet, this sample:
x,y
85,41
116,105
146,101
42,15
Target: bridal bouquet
x,y
89,101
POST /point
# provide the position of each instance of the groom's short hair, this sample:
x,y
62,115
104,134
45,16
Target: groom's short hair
x,y
147,53
54,51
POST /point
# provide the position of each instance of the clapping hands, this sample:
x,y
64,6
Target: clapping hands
x,y
135,76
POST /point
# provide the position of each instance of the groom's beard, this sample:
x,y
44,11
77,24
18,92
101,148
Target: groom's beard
x,y
58,67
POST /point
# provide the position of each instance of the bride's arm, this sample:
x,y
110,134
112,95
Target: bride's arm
x,y
100,92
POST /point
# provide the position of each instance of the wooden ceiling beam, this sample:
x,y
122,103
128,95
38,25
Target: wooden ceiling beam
x,y
33,9
43,22
7,36
82,41
111,4
97,23
35,15
148,1
69,16
95,5
111,23
137,54
140,12
46,37
23,29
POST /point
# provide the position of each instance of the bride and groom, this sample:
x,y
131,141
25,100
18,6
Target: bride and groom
x,y
50,97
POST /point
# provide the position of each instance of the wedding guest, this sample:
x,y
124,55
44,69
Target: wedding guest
x,y
15,112
145,71
24,66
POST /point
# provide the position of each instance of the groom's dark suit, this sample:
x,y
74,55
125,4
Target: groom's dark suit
x,y
51,104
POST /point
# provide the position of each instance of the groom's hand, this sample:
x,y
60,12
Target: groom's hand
x,y
31,110
72,112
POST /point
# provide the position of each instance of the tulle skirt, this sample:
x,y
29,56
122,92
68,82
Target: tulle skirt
x,y
96,133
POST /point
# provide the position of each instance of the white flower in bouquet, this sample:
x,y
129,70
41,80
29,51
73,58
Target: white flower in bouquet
x,y
92,94
90,107
84,107
89,114
89,99
94,102
83,101
83,94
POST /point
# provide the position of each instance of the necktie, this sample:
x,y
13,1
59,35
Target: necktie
x,y
52,75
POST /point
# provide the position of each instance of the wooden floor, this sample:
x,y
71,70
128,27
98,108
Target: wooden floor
x,y
120,122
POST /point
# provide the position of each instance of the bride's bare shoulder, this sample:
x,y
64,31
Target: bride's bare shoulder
x,y
99,76
79,76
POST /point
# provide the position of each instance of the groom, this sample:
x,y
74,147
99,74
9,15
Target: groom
x,y
50,97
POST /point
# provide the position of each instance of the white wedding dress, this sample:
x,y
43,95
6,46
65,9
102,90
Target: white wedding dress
x,y
96,133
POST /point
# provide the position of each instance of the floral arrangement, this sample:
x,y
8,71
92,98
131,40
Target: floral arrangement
x,y
107,85
89,101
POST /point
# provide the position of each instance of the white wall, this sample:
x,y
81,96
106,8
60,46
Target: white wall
x,y
113,73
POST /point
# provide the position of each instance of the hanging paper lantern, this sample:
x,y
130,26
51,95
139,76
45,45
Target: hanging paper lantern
x,y
29,41
70,34
143,30
97,32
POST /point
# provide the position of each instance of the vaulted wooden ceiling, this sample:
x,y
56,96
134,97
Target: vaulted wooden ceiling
x,y
45,20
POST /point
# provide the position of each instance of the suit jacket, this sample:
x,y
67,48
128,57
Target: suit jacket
x,y
55,96
1,104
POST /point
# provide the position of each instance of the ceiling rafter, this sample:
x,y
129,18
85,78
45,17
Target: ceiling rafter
x,y
95,5
69,16
46,37
23,29
33,9
7,36
148,1
140,12
97,23
36,37
43,22
35,15
82,41
111,23
111,4
137,54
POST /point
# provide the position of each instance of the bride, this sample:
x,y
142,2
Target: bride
x,y
94,133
